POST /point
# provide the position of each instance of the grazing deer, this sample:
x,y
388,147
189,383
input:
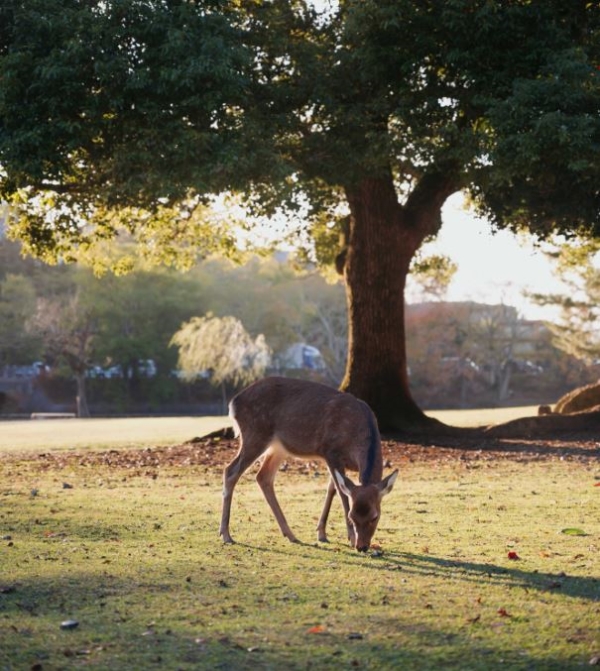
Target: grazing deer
x,y
278,417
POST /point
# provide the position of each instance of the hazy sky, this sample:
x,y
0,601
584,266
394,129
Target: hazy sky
x,y
492,267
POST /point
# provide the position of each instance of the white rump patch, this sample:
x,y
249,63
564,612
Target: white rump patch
x,y
236,426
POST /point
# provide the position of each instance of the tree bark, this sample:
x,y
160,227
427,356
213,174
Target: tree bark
x,y
383,238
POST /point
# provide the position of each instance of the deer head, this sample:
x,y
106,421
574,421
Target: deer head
x,y
365,506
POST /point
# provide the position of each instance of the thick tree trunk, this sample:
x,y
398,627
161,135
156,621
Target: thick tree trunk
x,y
383,239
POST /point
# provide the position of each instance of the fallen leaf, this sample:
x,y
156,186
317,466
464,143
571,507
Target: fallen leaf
x,y
573,531
317,629
503,612
513,555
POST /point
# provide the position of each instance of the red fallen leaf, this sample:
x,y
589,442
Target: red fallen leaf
x,y
513,555
503,612
597,484
317,629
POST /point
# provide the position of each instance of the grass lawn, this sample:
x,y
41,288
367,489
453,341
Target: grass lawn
x,y
483,563
40,435
74,434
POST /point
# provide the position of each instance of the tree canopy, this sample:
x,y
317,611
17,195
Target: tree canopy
x,y
364,117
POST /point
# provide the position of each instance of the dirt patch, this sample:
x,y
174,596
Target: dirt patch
x,y
214,453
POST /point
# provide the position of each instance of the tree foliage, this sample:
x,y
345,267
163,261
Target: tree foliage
x,y
222,348
143,102
17,304
433,274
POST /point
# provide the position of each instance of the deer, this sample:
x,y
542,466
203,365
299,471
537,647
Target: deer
x,y
279,417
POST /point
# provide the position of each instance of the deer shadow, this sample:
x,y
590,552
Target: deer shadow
x,y
406,563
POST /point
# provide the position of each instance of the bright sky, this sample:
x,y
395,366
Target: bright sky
x,y
492,267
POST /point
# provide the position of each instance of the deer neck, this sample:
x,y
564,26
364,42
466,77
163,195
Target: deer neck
x,y
371,465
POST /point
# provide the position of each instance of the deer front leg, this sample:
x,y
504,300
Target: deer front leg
x,y
349,527
265,477
345,504
321,533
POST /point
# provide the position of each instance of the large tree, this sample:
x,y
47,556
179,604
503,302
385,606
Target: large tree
x,y
365,116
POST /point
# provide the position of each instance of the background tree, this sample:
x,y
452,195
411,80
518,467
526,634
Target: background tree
x,y
67,328
222,349
17,304
137,313
377,111
576,329
286,303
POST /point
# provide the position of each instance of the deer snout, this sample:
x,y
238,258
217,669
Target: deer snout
x,y
362,542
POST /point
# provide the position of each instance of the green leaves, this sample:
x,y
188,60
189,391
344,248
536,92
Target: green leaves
x,y
221,347
140,103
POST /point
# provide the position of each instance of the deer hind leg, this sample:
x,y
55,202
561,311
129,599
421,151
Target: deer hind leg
x,y
321,532
265,477
232,473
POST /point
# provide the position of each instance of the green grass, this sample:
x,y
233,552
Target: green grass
x,y
133,556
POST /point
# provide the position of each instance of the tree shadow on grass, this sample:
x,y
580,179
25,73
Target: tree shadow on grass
x,y
481,445
110,637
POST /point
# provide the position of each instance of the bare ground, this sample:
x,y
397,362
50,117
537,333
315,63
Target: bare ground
x,y
215,451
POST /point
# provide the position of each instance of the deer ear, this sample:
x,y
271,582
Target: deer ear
x,y
386,485
345,484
